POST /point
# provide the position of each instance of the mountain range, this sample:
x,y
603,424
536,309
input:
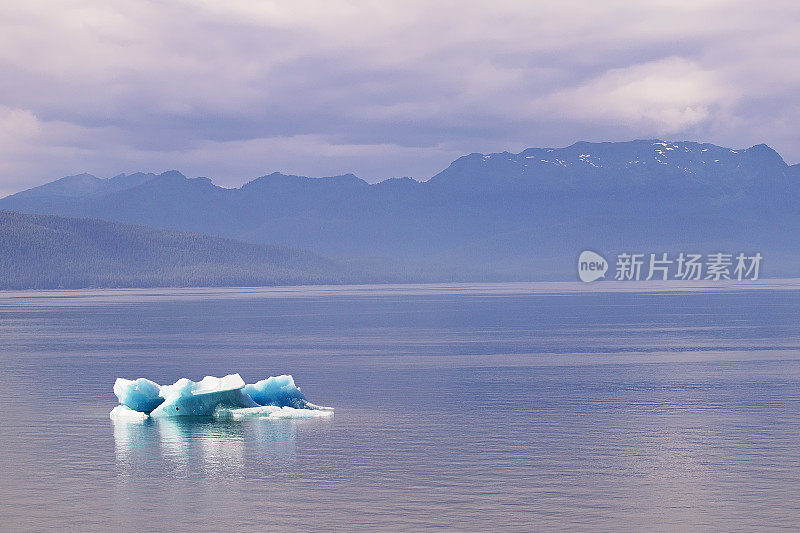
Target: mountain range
x,y
489,216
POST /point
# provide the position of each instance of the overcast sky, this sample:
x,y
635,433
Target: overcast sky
x,y
234,89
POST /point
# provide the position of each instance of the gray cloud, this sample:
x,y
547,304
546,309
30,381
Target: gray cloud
x,y
234,89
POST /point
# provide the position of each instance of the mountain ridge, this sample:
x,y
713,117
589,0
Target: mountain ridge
x,y
525,215
139,178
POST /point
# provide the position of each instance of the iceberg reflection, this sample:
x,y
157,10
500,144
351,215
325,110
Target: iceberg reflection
x,y
188,445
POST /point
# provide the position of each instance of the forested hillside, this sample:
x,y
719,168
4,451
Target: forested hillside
x,y
45,252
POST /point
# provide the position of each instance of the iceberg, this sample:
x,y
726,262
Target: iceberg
x,y
187,398
138,394
227,397
279,391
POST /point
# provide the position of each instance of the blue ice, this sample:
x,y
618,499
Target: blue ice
x,y
225,397
277,390
138,394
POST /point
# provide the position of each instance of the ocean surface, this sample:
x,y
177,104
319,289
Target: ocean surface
x,y
471,407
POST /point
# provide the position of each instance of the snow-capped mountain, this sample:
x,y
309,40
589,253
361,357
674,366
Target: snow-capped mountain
x,y
497,216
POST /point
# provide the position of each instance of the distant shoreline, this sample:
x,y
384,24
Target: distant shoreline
x,y
408,289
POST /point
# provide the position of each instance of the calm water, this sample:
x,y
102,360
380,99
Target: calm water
x,y
489,407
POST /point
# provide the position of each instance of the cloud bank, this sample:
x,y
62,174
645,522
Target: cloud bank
x,y
235,89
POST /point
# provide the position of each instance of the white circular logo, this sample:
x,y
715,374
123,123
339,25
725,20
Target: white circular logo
x,y
591,266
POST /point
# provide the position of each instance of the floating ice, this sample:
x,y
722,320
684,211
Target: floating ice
x,y
270,411
138,394
187,398
227,397
279,391
125,412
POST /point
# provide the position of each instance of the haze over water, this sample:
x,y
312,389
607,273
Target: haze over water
x,y
464,406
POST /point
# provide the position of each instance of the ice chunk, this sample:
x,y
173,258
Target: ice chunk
x,y
279,391
212,384
270,411
138,394
209,384
225,397
202,404
123,412
187,398
291,412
